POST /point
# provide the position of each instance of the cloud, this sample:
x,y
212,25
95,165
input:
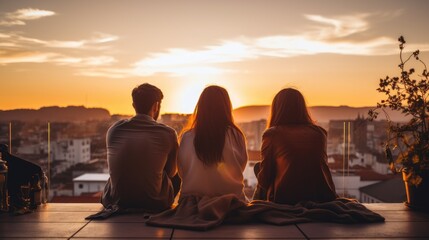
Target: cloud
x,y
291,46
86,61
103,38
21,15
29,14
98,42
2,35
183,61
334,36
8,45
26,57
64,44
106,72
230,51
18,48
19,56
326,35
9,23
178,62
339,27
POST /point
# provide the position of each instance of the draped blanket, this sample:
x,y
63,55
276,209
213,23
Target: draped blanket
x,y
203,213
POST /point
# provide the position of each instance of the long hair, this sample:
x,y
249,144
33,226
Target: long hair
x,y
211,119
289,107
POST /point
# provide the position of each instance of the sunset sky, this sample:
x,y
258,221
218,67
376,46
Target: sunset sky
x,y
93,53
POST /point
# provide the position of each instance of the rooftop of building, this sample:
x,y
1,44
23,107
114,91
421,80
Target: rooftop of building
x,y
92,177
389,191
67,221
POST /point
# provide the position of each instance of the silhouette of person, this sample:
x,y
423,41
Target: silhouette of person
x,y
212,153
294,160
141,156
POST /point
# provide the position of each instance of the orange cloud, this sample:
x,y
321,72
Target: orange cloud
x,y
21,15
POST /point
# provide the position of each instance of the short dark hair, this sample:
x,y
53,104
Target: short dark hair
x,y
144,96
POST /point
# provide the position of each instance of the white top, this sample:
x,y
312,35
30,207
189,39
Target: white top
x,y
224,178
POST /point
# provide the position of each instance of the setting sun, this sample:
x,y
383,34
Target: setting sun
x,y
187,97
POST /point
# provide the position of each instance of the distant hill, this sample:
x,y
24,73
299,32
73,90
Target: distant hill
x,y
55,114
321,114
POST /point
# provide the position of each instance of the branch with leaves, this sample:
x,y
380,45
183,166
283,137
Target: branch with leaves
x,y
408,94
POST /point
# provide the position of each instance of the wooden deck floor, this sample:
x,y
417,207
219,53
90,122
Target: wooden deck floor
x,y
66,221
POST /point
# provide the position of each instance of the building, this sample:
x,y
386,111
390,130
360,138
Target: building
x,y
363,170
350,183
72,151
365,135
253,132
388,191
175,121
89,183
30,149
248,173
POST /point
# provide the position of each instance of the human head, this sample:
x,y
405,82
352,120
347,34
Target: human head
x,y
210,121
289,107
147,99
214,104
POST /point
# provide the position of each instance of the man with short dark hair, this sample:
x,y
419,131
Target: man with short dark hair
x,y
141,155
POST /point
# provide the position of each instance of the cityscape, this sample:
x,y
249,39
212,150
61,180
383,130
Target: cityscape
x,y
78,167
73,72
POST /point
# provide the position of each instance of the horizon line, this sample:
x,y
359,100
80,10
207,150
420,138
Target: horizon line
x,y
168,112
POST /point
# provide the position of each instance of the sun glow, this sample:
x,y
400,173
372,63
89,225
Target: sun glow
x,y
187,95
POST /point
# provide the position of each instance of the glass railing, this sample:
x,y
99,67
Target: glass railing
x,y
73,156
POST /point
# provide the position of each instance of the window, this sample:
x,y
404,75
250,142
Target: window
x,y
80,185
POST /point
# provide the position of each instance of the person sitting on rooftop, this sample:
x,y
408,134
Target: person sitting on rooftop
x,y
141,156
294,160
212,152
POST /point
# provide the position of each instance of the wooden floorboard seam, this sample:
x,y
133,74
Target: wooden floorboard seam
x,y
74,234
302,232
172,233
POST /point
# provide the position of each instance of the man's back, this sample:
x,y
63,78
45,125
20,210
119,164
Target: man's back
x,y
142,159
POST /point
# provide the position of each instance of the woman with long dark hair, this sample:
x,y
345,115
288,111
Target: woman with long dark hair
x,y
212,152
294,160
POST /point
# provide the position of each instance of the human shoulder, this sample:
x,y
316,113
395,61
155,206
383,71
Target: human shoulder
x,y
320,129
167,131
235,131
236,134
118,124
166,128
187,134
269,132
317,130
115,128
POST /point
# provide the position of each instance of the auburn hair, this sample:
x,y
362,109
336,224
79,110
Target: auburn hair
x,y
289,107
210,122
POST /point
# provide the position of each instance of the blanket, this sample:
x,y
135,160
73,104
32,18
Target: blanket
x,y
204,213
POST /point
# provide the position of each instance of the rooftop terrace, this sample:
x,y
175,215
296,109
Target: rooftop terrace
x,y
67,221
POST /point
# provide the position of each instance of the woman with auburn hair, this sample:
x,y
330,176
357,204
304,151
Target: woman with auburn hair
x,y
212,152
294,160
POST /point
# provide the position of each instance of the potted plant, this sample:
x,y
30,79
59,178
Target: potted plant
x,y
408,93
